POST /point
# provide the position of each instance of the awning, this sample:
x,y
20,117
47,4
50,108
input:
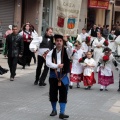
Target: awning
x,y
100,4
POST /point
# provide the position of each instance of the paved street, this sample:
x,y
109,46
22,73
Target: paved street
x,y
21,100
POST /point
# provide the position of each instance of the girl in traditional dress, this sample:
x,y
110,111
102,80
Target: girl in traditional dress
x,y
105,74
76,69
27,34
111,39
88,73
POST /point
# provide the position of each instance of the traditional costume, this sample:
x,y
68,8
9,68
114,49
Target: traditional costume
x,y
43,44
83,36
112,44
58,77
117,41
88,72
27,55
98,51
76,69
105,74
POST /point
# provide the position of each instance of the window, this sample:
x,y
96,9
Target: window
x,y
117,2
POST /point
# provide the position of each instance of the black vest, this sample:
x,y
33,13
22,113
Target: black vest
x,y
94,32
66,61
47,42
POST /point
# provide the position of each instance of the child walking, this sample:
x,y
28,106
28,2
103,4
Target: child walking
x,y
76,75
105,74
88,73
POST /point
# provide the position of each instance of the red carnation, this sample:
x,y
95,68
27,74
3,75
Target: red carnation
x,y
106,43
81,60
74,51
105,59
88,39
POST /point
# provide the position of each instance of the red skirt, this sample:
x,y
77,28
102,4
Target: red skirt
x,y
89,80
105,80
76,77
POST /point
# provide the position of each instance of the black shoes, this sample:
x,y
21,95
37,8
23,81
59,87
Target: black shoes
x,y
62,116
70,86
42,84
101,89
118,90
78,86
36,83
53,113
3,70
89,87
106,89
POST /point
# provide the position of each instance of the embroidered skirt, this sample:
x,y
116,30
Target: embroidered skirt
x,y
76,77
105,80
89,80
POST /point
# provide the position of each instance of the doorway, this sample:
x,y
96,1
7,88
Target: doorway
x,y
47,15
91,18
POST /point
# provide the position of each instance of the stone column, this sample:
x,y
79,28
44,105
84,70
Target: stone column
x,y
18,13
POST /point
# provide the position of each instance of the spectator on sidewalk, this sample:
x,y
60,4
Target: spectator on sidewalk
x,y
14,49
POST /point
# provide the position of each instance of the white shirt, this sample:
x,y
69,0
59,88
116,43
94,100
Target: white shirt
x,y
34,45
83,36
88,70
52,65
98,41
107,71
77,67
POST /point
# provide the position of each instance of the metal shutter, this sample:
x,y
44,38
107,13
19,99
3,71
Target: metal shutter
x,y
6,13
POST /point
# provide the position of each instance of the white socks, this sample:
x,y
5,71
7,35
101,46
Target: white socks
x,y
102,87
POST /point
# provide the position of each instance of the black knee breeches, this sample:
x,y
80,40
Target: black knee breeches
x,y
55,89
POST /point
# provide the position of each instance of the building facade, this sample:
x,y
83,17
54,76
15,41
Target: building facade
x,y
116,11
41,13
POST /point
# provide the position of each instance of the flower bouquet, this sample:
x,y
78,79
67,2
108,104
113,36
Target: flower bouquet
x,y
81,60
105,59
88,39
106,43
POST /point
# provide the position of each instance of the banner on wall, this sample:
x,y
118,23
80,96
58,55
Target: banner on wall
x,y
101,4
67,16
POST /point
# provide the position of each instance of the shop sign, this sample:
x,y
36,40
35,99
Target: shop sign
x,y
101,4
67,16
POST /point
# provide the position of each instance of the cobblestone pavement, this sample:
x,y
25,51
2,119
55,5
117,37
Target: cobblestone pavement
x,y
21,100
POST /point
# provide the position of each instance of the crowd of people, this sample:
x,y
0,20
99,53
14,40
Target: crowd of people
x,y
69,59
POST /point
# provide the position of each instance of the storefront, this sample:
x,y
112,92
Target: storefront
x,y
99,12
7,8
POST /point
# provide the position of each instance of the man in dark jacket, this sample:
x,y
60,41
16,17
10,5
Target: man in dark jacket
x,y
14,49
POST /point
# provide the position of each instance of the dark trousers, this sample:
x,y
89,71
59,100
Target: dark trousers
x,y
54,88
12,62
41,77
33,56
